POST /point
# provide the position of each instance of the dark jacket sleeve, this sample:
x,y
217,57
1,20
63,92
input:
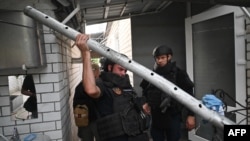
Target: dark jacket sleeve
x,y
144,85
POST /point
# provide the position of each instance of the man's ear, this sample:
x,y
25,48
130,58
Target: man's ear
x,y
169,57
109,68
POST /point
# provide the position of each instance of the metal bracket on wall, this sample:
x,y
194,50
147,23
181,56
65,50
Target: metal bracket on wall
x,y
77,9
246,12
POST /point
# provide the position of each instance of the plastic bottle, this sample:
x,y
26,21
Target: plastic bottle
x,y
15,136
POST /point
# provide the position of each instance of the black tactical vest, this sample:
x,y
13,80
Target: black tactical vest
x,y
126,118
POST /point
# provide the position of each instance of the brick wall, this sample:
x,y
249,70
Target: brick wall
x,y
54,84
74,79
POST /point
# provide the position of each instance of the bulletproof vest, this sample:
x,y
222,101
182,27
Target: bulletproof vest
x,y
126,118
154,95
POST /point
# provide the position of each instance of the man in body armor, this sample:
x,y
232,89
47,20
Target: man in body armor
x,y
120,112
167,113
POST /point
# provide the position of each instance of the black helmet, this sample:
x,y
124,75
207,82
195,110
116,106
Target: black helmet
x,y
105,62
162,50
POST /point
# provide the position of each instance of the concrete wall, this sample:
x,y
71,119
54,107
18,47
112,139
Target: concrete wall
x,y
148,31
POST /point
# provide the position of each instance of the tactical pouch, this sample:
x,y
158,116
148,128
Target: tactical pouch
x,y
124,123
130,123
81,115
110,126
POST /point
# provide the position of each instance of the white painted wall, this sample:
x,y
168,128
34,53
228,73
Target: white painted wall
x,y
119,39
